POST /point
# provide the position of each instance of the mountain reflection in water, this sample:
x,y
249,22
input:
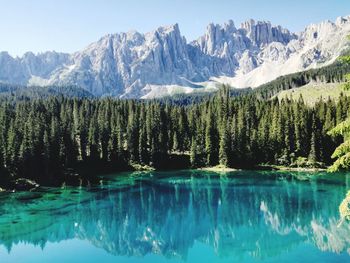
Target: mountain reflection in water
x,y
239,215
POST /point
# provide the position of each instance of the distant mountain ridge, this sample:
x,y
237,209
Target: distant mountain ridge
x,y
162,62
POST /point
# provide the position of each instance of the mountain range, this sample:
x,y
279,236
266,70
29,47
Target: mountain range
x,y
162,62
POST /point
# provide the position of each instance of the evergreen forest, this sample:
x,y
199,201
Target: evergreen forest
x,y
50,138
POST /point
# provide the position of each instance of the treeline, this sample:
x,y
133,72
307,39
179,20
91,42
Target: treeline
x,y
200,96
42,139
9,92
329,74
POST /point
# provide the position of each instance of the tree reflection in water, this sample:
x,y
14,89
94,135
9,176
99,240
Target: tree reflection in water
x,y
239,214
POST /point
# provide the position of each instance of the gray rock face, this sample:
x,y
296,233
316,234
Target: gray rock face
x,y
130,64
19,70
263,33
230,49
11,70
122,64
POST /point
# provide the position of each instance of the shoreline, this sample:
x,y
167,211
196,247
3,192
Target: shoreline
x,y
219,169
291,169
77,180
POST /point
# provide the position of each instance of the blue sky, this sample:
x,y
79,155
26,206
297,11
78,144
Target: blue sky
x,y
70,25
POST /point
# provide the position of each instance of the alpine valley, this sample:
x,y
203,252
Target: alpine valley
x,y
163,62
149,147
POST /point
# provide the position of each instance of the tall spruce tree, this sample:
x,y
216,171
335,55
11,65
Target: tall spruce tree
x,y
211,140
224,151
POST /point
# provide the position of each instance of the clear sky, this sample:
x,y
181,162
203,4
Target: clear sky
x,y
70,25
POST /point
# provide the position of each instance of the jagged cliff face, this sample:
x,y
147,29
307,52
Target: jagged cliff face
x,y
160,62
123,64
229,49
21,70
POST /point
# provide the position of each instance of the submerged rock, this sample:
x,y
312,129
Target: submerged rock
x,y
23,184
28,197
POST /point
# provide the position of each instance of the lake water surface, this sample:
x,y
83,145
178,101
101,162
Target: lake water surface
x,y
183,216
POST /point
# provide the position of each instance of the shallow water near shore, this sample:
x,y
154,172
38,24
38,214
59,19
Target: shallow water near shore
x,y
182,216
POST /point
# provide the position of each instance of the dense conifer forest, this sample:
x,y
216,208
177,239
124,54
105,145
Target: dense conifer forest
x,y
46,139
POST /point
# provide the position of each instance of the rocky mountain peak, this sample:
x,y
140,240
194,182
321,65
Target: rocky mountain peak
x,y
165,30
263,33
134,65
342,20
229,26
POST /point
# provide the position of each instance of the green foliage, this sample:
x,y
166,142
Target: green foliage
x,y
342,163
342,129
302,162
345,59
346,86
342,152
312,93
20,93
224,150
42,139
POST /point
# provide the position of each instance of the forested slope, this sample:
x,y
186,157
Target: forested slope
x,y
329,74
43,139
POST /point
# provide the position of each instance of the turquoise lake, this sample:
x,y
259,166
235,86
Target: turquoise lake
x,y
183,216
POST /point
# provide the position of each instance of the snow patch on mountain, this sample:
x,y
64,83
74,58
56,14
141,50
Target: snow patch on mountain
x,y
318,45
159,91
163,63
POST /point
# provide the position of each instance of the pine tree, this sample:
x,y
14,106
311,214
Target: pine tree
x,y
143,147
194,158
46,154
93,142
313,152
133,136
112,147
211,140
224,146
